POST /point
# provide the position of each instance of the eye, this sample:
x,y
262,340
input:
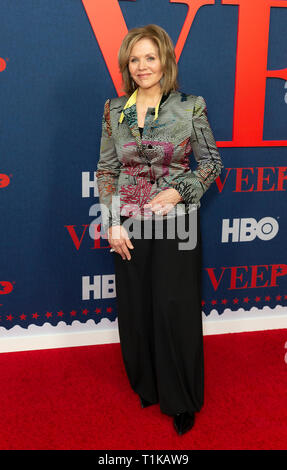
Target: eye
x,y
151,58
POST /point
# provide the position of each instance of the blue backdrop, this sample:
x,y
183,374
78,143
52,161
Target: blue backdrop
x,y
53,84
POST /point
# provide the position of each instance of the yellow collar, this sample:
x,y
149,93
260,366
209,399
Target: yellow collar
x,y
131,101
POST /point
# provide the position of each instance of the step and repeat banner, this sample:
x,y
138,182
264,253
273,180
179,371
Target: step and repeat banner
x,y
58,65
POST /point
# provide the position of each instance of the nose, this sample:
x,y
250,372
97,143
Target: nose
x,y
141,64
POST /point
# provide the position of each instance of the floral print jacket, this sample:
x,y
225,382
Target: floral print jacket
x,y
136,168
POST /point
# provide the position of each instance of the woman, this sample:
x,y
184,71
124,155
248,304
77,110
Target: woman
x,y
144,178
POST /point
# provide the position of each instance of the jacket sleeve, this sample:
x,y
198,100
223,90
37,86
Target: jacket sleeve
x,y
107,173
193,184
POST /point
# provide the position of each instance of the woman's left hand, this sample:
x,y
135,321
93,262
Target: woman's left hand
x,y
164,201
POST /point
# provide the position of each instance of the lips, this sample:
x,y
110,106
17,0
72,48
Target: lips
x,y
144,75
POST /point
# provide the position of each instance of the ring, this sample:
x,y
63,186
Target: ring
x,y
111,250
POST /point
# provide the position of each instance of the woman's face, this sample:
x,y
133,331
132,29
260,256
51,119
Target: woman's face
x,y
144,63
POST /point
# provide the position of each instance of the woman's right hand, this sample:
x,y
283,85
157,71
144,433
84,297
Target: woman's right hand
x,y
119,241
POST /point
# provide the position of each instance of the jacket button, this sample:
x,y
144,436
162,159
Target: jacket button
x,y
152,181
149,146
149,164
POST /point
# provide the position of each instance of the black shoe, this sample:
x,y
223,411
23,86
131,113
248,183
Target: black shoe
x,y
145,403
183,422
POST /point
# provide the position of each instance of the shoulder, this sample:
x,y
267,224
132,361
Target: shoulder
x,y
187,100
189,104
113,108
116,102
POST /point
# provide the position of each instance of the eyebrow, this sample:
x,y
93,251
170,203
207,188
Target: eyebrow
x,y
150,53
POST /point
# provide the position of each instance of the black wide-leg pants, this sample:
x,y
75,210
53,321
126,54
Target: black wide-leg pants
x,y
160,319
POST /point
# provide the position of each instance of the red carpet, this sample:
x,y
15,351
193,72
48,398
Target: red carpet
x,y
80,398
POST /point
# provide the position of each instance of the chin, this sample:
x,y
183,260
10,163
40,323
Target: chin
x,y
148,84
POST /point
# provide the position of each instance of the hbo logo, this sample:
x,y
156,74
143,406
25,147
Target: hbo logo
x,y
245,230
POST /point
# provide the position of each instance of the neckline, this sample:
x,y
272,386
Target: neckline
x,y
131,101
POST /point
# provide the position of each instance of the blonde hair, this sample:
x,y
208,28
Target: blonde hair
x,y
166,55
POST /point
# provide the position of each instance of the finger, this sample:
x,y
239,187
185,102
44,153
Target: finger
x,y
167,208
126,252
154,200
156,207
129,244
127,239
122,249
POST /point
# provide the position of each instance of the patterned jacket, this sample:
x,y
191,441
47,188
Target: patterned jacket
x,y
136,168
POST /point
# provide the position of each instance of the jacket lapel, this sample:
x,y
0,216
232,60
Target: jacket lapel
x,y
129,113
131,117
